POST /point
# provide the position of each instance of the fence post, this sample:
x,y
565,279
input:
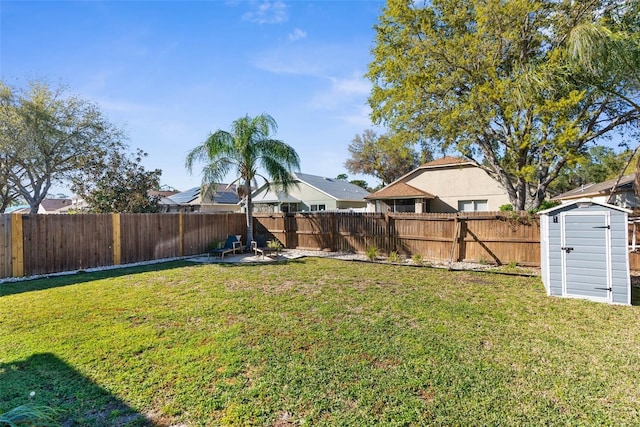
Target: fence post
x,y
387,240
285,230
117,244
181,235
17,246
461,247
333,231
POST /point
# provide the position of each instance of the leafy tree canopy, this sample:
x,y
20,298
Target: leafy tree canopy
x,y
492,80
46,136
600,164
383,157
117,182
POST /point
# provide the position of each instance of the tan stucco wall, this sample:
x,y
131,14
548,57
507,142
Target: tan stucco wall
x,y
454,184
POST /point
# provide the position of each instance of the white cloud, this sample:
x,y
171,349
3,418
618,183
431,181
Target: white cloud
x,y
297,34
342,90
294,65
267,12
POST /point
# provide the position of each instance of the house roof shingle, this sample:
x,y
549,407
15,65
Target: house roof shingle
x,y
590,190
52,205
399,190
446,161
335,188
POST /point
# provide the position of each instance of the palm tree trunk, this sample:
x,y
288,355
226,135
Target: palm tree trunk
x,y
247,187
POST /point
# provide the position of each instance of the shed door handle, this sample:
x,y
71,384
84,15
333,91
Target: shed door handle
x,y
566,248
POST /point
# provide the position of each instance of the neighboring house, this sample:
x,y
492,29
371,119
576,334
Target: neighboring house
x,y
164,201
447,185
53,206
311,193
623,194
61,206
224,199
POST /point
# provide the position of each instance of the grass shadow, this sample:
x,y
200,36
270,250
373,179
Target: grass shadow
x,y
77,400
55,281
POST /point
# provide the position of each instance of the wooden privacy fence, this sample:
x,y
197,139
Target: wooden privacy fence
x,y
479,237
42,244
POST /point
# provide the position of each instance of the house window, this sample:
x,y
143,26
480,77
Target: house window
x,y
318,208
473,206
404,205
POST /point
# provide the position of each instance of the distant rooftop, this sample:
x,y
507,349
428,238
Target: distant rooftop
x,y
336,188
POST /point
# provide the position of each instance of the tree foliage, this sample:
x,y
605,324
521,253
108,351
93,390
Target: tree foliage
x,y
491,79
382,157
359,182
117,182
248,150
600,164
46,136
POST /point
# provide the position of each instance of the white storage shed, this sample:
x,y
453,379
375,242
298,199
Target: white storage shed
x,y
584,251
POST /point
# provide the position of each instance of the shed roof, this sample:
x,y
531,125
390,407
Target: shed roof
x,y
585,200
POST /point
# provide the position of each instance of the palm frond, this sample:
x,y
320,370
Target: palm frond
x,y
28,415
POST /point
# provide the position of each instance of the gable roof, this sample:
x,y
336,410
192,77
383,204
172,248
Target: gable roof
x,y
400,190
599,189
52,205
403,192
335,188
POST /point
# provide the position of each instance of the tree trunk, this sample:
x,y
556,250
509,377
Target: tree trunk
x,y
247,187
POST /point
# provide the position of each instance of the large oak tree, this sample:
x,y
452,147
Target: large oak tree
x,y
47,135
491,80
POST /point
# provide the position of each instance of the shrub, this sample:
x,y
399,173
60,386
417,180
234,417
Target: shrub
x,y
274,244
372,253
417,259
506,208
394,256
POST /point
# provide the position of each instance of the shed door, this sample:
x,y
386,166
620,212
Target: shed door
x,y
586,249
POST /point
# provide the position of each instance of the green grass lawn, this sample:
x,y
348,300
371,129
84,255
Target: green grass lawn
x,y
315,342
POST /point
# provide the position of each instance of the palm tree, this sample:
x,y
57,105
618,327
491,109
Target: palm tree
x,y
608,53
247,148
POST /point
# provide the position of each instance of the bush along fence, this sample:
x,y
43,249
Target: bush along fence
x,y
44,244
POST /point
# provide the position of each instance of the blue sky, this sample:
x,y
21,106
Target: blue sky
x,y
171,72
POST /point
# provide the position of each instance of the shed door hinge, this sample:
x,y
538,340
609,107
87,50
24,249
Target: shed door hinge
x,y
566,248
608,227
